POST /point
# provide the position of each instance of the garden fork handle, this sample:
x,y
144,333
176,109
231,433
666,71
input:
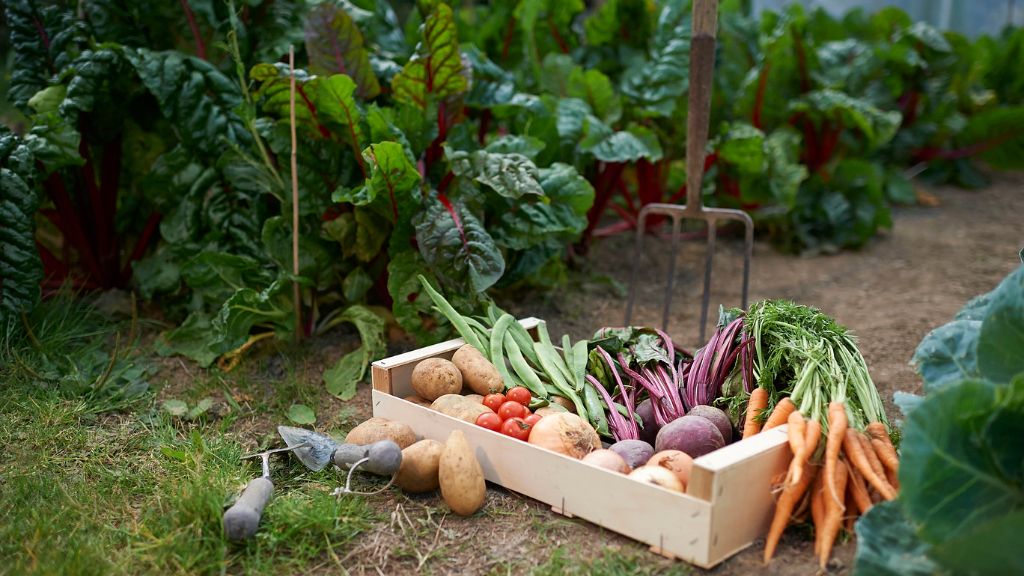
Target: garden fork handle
x,y
702,66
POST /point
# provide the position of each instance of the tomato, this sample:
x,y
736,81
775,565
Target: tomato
x,y
519,394
511,409
489,420
494,401
516,428
532,419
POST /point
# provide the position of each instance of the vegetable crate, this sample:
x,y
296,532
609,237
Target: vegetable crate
x,y
727,505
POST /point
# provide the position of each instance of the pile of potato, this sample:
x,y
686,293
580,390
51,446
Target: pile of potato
x,y
428,464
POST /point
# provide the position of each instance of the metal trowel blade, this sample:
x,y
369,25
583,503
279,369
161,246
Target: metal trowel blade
x,y
317,450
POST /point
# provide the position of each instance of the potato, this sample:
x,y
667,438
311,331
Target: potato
x,y
460,476
477,372
564,403
420,462
460,407
376,429
475,398
550,409
435,377
417,400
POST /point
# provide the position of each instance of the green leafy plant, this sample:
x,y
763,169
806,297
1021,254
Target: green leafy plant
x,y
962,498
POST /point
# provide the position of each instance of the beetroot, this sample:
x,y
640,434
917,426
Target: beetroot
x,y
649,431
636,453
694,435
717,417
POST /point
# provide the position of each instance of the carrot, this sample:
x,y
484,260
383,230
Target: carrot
x,y
855,452
833,515
781,413
790,497
885,451
859,491
811,437
869,453
818,509
755,405
837,423
798,444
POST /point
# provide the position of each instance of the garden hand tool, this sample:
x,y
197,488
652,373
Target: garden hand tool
x,y
317,450
242,519
702,64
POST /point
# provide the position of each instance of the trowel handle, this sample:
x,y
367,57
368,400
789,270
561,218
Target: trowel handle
x,y
383,457
242,519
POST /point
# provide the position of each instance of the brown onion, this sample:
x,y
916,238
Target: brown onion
x,y
565,433
658,476
608,460
676,461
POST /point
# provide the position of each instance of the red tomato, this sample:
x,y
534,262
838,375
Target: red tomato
x,y
519,394
489,420
516,428
532,419
494,401
511,409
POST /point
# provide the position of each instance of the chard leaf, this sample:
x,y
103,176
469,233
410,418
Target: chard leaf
x,y
948,354
356,284
742,146
435,71
54,141
571,120
962,464
391,172
301,414
192,339
44,38
623,146
341,379
887,544
455,244
20,265
371,232
657,84
215,276
999,134
1000,350
510,175
878,127
195,97
491,83
314,258
274,93
410,306
335,99
156,275
271,307
594,88
335,46
515,144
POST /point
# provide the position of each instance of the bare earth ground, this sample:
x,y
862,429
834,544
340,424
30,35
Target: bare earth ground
x,y
890,294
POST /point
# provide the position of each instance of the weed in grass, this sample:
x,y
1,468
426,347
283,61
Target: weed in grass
x,y
612,562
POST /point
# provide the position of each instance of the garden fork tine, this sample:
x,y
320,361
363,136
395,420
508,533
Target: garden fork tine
x,y
702,64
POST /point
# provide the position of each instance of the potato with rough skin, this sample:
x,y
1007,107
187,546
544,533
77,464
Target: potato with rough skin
x,y
420,462
460,407
460,476
376,429
475,398
477,371
435,377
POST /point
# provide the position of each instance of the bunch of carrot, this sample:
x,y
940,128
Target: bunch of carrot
x,y
857,469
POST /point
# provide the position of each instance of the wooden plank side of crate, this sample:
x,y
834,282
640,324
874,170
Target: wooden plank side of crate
x,y
675,523
738,480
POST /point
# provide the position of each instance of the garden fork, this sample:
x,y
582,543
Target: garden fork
x,y
702,64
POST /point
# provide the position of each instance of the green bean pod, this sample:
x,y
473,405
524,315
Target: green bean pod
x,y
497,345
595,409
457,320
522,369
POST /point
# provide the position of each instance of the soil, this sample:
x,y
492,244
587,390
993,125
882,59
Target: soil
x,y
890,294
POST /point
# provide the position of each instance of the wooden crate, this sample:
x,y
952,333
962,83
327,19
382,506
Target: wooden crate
x,y
728,503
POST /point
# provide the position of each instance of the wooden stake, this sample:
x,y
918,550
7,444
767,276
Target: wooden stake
x,y
296,291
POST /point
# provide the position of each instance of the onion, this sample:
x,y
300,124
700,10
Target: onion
x,y
608,460
676,461
565,433
658,476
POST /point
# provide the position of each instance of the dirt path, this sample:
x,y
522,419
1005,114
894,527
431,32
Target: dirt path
x,y
890,294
